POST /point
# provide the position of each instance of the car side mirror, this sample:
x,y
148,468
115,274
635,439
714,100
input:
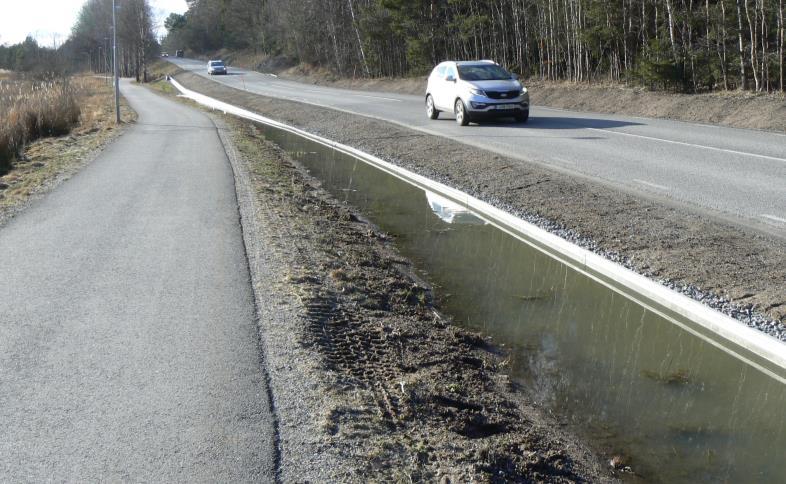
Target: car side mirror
x,y
450,78
515,77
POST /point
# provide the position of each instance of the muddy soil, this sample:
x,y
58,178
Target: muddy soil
x,y
369,381
736,270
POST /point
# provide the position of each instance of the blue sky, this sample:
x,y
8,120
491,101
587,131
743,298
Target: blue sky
x,y
50,21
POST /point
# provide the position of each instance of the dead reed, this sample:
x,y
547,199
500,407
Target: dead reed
x,y
34,109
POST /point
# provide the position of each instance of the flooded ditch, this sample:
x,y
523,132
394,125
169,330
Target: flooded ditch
x,y
673,406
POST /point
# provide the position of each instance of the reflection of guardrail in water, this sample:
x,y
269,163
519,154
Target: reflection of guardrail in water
x,y
757,349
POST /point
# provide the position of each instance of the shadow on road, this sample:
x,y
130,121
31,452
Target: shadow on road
x,y
576,123
549,122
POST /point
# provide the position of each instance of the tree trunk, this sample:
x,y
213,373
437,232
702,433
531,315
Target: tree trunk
x,y
752,28
722,53
743,74
670,16
360,42
765,58
780,42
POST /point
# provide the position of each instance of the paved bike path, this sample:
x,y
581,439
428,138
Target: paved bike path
x,y
128,344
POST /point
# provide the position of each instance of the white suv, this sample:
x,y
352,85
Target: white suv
x,y
475,90
216,67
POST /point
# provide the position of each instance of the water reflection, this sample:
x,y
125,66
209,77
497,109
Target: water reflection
x,y
451,212
613,371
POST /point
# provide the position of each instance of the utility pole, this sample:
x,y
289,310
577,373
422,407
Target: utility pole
x,y
106,59
114,63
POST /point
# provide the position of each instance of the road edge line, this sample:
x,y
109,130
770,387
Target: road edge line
x,y
246,203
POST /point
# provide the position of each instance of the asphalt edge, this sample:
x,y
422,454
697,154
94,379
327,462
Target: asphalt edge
x,y
246,206
753,347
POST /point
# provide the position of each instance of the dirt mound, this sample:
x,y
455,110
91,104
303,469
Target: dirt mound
x,y
321,76
737,109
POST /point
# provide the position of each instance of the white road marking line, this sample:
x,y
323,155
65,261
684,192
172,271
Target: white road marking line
x,y
653,185
715,126
735,152
774,218
379,97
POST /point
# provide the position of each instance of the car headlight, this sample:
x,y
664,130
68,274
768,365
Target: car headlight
x,y
524,91
477,92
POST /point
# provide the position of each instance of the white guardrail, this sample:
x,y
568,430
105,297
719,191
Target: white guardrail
x,y
755,348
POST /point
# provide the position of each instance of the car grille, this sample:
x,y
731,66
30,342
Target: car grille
x,y
502,94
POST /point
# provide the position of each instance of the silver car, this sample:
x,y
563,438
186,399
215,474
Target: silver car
x,y
216,67
475,90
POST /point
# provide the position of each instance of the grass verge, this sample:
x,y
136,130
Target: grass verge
x,y
34,109
40,164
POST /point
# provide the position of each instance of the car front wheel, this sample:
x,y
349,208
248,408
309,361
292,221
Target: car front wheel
x,y
522,117
431,110
462,117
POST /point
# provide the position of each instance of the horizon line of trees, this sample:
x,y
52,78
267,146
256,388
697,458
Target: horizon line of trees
x,y
29,57
89,47
136,41
686,45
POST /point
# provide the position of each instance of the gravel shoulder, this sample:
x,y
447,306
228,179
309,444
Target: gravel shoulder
x,y
739,272
367,377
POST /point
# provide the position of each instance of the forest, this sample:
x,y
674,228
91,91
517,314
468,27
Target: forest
x,y
681,45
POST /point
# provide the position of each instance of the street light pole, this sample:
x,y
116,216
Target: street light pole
x,y
114,62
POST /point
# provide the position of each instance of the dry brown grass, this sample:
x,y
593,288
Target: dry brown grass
x,y
49,160
159,69
32,110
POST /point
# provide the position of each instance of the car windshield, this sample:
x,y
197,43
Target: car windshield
x,y
483,72
216,64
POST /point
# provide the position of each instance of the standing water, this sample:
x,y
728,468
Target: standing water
x,y
617,374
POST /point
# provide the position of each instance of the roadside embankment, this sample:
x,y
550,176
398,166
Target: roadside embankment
x,y
64,141
731,269
735,109
159,69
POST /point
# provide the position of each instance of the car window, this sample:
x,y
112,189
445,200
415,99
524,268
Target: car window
x,y
450,71
483,72
216,63
440,71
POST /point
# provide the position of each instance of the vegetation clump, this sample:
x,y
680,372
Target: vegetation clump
x,y
32,110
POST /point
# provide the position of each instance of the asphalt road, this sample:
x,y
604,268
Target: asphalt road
x,y
735,174
128,343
